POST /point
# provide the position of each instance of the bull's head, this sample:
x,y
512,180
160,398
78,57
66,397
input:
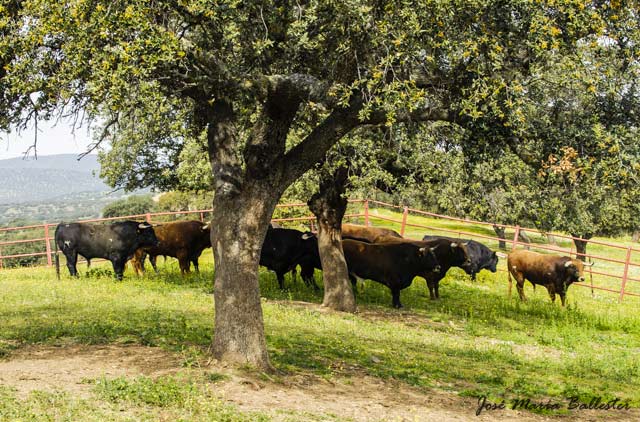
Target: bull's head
x,y
146,235
493,263
461,253
575,270
431,260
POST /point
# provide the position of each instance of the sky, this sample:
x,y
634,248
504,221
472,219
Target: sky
x,y
53,138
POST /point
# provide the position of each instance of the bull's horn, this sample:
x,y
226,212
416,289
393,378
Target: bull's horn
x,y
144,226
306,236
454,245
568,264
433,249
590,264
206,226
500,255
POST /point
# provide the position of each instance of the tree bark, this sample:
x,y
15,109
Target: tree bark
x,y
237,236
500,232
329,206
242,208
635,236
581,245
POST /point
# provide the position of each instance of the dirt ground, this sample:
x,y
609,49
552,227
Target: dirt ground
x,y
360,398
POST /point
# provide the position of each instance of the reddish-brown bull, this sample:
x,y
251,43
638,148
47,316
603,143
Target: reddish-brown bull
x,y
184,240
367,234
554,272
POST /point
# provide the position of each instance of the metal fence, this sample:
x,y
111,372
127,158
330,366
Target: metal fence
x,y
616,272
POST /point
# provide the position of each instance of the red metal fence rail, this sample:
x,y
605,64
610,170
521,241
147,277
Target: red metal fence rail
x,y
43,247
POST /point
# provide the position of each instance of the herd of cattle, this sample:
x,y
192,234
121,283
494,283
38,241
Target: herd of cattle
x,y
373,253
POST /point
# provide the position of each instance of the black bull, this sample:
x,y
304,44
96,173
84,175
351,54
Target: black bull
x,y
116,242
284,249
481,256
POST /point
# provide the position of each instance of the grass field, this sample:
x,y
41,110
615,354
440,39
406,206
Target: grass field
x,y
473,342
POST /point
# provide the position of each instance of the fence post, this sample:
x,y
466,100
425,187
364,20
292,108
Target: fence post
x,y
404,220
515,238
47,244
366,212
201,217
148,217
626,273
1,265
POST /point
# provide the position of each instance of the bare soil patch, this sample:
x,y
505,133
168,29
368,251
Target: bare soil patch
x,y
289,397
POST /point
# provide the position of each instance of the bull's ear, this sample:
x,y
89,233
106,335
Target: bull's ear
x,y
144,226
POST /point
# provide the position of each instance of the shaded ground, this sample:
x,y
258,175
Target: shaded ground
x,y
358,398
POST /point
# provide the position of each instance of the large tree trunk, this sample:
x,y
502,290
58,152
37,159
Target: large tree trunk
x,y
581,245
239,228
329,206
500,232
249,178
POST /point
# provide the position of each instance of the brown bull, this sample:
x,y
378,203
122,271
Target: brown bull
x,y
367,234
554,272
184,240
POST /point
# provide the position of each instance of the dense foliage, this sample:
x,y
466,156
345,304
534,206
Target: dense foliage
x,y
132,205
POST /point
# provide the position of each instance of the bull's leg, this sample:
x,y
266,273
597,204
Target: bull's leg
x,y
437,289
354,283
72,259
118,266
307,277
395,298
194,260
432,289
152,259
519,285
563,297
280,276
184,261
137,262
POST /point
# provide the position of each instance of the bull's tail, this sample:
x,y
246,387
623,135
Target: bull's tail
x,y
510,281
57,258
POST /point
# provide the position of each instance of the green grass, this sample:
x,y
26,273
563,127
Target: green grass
x,y
474,341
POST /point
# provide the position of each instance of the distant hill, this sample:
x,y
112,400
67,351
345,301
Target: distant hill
x,y
87,164
48,177
53,188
